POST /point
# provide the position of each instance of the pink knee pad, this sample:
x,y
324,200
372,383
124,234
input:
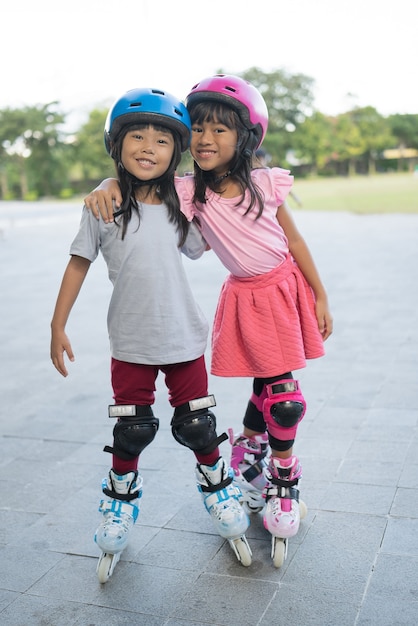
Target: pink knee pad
x,y
283,408
258,401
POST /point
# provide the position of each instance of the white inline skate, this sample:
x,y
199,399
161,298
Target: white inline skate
x,y
120,512
283,508
222,500
248,461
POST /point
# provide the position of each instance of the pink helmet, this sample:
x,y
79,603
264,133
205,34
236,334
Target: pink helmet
x,y
240,95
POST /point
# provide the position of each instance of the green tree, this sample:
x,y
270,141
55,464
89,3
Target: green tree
x,y
90,152
13,153
404,129
375,133
289,101
405,132
349,142
314,140
289,97
32,143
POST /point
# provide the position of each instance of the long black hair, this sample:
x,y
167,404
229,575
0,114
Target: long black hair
x,y
241,164
163,185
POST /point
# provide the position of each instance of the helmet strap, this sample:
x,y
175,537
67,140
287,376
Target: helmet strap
x,y
141,183
245,152
221,178
249,145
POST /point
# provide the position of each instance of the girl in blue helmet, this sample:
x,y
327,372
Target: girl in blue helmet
x,y
273,313
154,322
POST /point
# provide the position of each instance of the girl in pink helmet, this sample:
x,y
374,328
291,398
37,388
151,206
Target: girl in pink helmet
x,y
273,312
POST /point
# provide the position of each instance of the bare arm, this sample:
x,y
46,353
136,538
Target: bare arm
x,y
100,200
72,281
302,255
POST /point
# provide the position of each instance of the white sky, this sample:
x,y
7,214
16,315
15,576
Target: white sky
x,y
86,53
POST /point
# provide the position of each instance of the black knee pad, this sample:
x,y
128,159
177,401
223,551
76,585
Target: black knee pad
x,y
135,429
194,426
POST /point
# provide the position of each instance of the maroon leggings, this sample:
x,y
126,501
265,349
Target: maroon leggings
x,y
134,383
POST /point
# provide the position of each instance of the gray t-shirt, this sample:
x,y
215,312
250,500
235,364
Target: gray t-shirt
x,y
153,318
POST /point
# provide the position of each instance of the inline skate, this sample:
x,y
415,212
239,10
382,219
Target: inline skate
x,y
283,508
223,501
248,461
120,512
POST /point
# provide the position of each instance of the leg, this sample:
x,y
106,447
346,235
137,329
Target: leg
x,y
250,448
135,428
194,426
133,384
283,408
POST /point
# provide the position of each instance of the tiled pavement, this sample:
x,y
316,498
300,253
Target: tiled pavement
x,y
355,559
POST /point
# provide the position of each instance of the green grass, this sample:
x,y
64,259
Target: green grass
x,y
380,193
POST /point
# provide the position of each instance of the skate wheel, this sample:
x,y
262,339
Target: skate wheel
x,y
279,551
253,509
242,551
105,566
303,509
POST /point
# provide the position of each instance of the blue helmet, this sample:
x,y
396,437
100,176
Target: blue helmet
x,y
151,106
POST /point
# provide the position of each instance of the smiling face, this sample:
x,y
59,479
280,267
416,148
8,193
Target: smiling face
x,y
213,146
147,151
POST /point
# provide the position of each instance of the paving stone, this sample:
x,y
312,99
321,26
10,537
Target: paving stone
x,y
354,561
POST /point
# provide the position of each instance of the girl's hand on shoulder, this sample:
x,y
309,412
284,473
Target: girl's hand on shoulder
x,y
101,201
324,318
60,344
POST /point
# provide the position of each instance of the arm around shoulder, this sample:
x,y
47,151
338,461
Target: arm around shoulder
x,y
101,200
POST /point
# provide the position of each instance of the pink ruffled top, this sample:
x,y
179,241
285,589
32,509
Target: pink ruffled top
x,y
246,246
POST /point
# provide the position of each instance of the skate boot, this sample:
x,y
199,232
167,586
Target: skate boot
x,y
248,460
120,512
283,510
222,500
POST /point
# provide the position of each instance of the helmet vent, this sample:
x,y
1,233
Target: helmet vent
x,y
149,106
230,89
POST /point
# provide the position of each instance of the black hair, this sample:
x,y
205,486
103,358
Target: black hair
x,y
163,185
241,164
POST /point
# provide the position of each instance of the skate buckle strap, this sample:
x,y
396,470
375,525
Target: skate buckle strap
x,y
284,482
214,488
289,493
253,471
126,497
222,495
118,508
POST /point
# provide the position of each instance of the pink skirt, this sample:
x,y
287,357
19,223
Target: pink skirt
x,y
265,325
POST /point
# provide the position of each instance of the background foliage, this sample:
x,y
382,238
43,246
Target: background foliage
x,y
39,158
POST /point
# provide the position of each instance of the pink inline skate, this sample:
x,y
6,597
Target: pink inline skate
x,y
283,508
248,460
